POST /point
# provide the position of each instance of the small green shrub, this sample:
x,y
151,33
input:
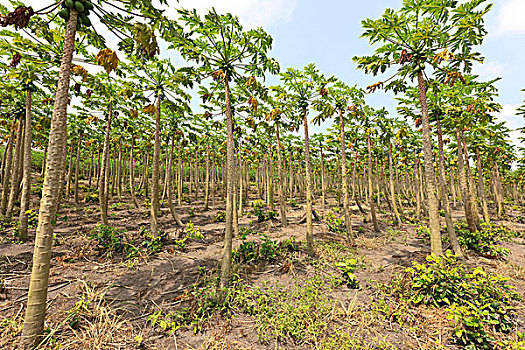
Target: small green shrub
x,y
110,238
347,269
335,224
153,244
193,232
474,298
219,217
120,206
486,241
91,198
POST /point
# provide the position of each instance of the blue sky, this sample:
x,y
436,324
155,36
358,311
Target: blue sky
x,y
327,33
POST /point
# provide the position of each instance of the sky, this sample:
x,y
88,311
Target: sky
x,y
327,33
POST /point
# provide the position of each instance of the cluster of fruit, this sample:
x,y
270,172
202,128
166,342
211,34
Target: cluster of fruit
x,y
82,7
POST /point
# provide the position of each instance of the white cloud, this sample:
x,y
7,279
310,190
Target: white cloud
x,y
512,121
510,17
490,70
252,13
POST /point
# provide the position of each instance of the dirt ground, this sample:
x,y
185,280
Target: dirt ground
x,y
127,292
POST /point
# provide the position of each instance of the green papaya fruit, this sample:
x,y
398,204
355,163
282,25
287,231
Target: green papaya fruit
x,y
78,26
80,21
69,3
88,5
64,13
79,7
87,22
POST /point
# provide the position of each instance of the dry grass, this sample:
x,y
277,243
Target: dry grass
x,y
92,324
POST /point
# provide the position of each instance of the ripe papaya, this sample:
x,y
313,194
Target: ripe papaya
x,y
79,7
64,13
69,3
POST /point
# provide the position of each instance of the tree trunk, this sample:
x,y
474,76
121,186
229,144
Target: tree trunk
x,y
470,182
207,181
230,168
169,179
36,304
370,186
132,172
344,180
463,185
444,196
154,206
104,171
392,186
16,169
433,214
77,166
309,199
282,203
481,184
26,182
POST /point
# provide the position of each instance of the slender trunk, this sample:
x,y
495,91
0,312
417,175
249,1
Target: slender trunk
x,y
481,185
444,196
282,203
154,206
77,166
392,186
69,171
104,171
470,182
119,169
36,304
6,177
309,199
370,186
433,214
344,180
463,185
499,191
91,168
169,179
132,172
230,168
207,181
16,169
179,177
240,181
26,182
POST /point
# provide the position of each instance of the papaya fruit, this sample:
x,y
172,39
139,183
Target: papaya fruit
x,y
79,7
80,21
64,14
87,22
85,19
88,5
69,3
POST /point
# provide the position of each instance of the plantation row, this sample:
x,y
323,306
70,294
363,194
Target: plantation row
x,y
116,125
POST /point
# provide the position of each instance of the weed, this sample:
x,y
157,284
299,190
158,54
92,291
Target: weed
x,y
219,217
473,297
335,224
193,232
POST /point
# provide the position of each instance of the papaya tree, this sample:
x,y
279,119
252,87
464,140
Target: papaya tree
x,y
420,35
225,51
